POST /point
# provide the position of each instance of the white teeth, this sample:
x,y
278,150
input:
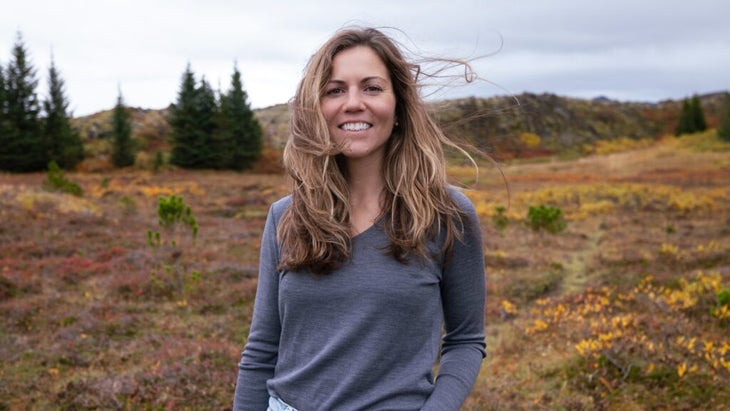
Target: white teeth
x,y
355,126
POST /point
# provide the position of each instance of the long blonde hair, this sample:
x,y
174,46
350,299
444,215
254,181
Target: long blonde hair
x,y
315,230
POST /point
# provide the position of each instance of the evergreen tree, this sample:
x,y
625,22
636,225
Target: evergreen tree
x,y
189,149
3,105
723,129
22,146
212,133
686,121
206,114
122,152
224,139
64,143
698,115
692,117
242,131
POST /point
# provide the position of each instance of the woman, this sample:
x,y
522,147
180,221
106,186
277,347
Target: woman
x,y
371,256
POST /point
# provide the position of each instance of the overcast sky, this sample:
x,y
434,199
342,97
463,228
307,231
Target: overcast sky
x,y
631,50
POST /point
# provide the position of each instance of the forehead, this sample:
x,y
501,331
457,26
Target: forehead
x,y
358,61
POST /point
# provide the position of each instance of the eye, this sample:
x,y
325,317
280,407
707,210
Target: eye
x,y
373,89
334,91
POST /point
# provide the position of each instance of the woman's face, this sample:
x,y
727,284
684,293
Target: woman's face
x,y
359,103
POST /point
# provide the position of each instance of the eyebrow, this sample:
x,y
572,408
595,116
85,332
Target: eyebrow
x,y
365,80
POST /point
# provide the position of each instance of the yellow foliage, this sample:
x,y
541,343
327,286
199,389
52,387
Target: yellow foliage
x,y
722,312
530,140
589,347
586,210
467,175
703,141
64,203
508,307
606,326
580,201
537,326
156,191
603,147
669,250
681,369
141,186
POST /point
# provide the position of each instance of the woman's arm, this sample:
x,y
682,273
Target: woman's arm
x,y
262,347
463,297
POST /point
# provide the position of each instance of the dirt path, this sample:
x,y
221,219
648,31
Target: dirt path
x,y
576,269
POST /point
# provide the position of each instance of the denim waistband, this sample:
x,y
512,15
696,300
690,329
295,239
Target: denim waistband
x,y
276,404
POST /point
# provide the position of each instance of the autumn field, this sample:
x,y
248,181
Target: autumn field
x,y
626,308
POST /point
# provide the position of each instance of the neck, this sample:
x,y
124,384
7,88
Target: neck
x,y
365,179
366,184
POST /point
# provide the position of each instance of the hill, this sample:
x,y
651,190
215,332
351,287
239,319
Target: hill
x,y
493,124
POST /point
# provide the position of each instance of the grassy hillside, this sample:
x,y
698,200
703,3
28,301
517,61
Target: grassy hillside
x,y
624,309
563,125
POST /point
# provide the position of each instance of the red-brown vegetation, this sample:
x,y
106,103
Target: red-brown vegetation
x,y
616,312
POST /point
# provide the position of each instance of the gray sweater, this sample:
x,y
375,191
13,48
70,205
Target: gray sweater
x,y
367,336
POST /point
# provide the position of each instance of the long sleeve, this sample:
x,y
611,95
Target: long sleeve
x,y
463,298
262,347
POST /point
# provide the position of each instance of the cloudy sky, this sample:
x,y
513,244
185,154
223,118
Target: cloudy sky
x,y
631,50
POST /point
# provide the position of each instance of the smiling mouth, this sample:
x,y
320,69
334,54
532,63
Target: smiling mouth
x,y
359,126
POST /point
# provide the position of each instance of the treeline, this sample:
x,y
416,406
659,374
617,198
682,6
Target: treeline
x,y
213,130
692,117
34,133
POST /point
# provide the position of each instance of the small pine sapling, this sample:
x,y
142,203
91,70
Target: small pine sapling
x,y
177,224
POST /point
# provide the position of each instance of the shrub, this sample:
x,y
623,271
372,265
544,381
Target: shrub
x,y
499,219
546,218
174,218
56,181
722,310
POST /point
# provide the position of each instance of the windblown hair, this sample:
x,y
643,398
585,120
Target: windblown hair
x,y
315,230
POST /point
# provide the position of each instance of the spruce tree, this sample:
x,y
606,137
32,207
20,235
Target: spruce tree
x,y
122,151
188,142
206,114
3,105
242,131
698,115
224,138
22,146
686,119
64,143
213,133
723,129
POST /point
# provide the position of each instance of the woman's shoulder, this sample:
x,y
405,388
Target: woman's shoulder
x,y
282,204
279,206
460,198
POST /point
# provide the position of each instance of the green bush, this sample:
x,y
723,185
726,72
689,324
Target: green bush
x,y
56,181
723,298
174,218
499,219
172,213
546,218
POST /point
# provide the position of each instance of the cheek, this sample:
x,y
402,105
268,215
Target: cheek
x,y
388,111
327,112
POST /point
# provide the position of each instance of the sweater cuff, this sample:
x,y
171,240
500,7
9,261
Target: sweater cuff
x,y
457,373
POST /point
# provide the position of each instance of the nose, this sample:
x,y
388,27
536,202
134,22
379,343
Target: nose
x,y
354,101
